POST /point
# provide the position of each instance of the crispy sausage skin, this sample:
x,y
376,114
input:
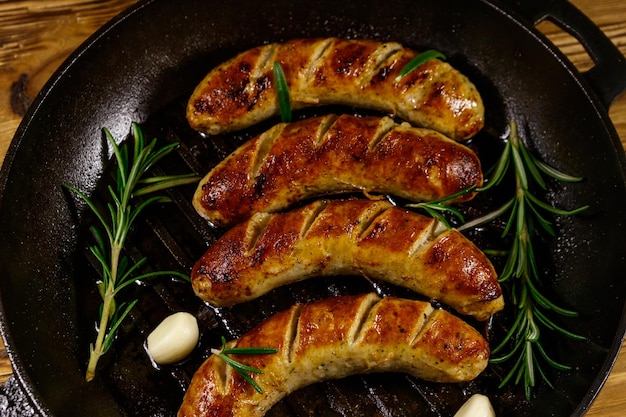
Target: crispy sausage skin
x,y
333,154
332,339
348,237
360,73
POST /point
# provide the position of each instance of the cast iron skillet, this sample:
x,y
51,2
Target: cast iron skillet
x,y
143,65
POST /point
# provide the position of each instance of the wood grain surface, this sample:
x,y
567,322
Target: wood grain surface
x,y
36,36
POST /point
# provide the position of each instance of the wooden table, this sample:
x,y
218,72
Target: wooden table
x,y
37,35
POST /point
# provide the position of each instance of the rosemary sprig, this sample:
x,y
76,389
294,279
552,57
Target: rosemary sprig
x,y
436,208
526,220
417,61
282,93
243,369
117,269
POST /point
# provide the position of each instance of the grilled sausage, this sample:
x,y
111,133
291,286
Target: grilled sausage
x,y
348,237
332,339
360,73
332,154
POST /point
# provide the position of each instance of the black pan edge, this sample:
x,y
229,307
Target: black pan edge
x,y
20,371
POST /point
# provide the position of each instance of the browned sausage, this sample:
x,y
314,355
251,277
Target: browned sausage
x,y
334,154
332,339
359,73
347,237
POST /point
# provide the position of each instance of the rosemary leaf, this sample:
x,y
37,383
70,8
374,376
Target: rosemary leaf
x,y
125,283
532,260
125,274
432,212
513,371
520,170
531,165
453,196
241,368
249,379
550,209
544,377
549,305
419,60
436,208
250,351
109,338
94,209
556,174
489,217
543,222
553,326
510,222
505,340
238,365
500,170
551,361
282,93
155,184
529,365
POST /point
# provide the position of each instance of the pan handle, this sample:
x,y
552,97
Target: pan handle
x,y
608,76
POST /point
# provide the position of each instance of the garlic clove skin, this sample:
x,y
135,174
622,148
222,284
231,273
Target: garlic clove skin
x,y
174,339
477,406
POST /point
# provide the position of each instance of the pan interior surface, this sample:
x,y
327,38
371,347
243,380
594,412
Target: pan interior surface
x,y
142,68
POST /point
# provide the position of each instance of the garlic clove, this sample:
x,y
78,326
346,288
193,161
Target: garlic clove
x,y
477,406
174,339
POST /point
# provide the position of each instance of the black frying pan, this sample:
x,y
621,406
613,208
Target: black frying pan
x,y
143,65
